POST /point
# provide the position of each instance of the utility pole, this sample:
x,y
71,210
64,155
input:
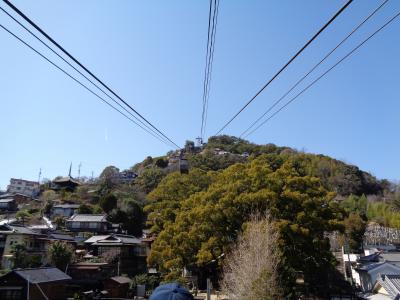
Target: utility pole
x,y
27,290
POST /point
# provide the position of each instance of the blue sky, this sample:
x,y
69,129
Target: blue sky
x,y
153,54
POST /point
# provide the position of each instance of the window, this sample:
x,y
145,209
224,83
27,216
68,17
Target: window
x,y
10,294
75,224
92,225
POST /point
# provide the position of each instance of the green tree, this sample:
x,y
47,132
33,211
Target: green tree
x,y
355,229
23,216
85,209
108,179
149,178
60,254
208,221
59,221
108,202
19,256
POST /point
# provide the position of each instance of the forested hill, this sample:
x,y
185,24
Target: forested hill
x,y
196,215
222,151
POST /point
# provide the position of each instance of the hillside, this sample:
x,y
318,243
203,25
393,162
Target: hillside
x,y
196,216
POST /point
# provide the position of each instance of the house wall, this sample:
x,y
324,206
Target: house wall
x,y
29,188
53,290
34,248
116,290
87,226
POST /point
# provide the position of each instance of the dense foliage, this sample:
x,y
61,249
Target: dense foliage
x,y
202,225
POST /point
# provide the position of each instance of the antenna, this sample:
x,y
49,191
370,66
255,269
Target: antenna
x,y
79,170
40,175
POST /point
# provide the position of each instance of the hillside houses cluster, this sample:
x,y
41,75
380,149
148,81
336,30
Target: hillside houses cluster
x,y
104,257
375,273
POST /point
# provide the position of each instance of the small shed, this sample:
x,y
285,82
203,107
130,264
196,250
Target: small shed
x,y
117,286
8,204
50,282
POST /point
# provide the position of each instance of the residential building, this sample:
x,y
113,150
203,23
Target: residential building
x,y
36,244
64,210
88,223
91,274
18,197
387,287
117,286
8,205
42,283
65,183
130,251
368,274
25,187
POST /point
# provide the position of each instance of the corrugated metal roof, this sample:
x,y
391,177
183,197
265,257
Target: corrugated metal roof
x,y
39,275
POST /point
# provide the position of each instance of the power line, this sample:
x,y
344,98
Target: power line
x,y
84,68
205,69
77,81
287,64
314,67
211,65
212,28
326,72
87,78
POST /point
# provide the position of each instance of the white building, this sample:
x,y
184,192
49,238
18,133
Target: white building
x,y
25,187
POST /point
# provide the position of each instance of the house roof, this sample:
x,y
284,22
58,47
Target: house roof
x,y
66,179
64,237
66,206
21,230
112,239
7,200
96,238
6,196
391,256
391,283
88,218
373,266
39,275
374,257
121,279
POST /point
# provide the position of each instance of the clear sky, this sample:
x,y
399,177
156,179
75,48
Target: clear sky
x,y
153,54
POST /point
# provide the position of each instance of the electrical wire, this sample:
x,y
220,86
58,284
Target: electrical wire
x,y
326,72
286,65
212,28
87,78
77,81
26,18
314,67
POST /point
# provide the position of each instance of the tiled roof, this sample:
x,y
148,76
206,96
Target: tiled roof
x,y
66,206
113,239
64,237
21,229
39,275
391,283
88,218
121,279
6,200
66,179
96,238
